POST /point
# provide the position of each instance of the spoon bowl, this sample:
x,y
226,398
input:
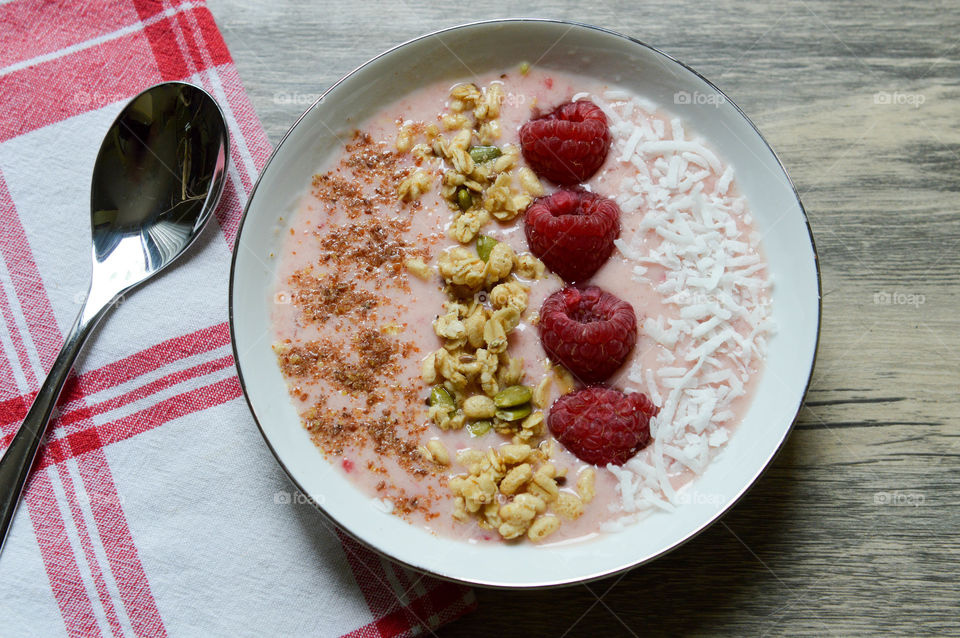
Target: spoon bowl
x,y
158,176
160,169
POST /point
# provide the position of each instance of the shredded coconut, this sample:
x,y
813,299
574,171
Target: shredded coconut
x,y
715,279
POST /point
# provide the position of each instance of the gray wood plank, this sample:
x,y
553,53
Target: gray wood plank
x,y
853,531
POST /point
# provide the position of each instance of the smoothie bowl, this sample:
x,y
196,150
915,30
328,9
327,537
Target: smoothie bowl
x,y
526,313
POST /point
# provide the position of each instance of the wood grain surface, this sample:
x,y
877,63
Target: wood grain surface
x,y
854,529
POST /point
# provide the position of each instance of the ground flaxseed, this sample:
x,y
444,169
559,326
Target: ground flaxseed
x,y
321,298
356,262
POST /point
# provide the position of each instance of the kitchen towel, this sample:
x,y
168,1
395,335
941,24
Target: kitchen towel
x,y
155,507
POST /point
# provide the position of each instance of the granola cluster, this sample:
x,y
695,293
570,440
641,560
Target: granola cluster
x,y
477,383
515,490
481,181
512,488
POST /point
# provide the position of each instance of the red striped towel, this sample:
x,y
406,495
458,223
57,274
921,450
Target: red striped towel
x,y
155,507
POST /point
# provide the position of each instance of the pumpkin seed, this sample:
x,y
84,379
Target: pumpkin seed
x,y
514,395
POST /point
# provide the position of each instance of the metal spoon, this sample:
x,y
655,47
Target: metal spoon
x,y
159,174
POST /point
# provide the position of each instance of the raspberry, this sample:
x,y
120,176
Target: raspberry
x,y
602,425
588,330
567,145
572,232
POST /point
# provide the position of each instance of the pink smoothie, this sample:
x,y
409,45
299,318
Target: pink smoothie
x,y
369,322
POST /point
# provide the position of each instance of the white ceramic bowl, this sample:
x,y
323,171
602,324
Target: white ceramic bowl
x,y
609,57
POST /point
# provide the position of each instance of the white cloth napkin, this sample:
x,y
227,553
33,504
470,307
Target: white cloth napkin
x,y
155,507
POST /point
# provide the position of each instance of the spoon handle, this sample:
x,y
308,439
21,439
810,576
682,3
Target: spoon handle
x,y
17,460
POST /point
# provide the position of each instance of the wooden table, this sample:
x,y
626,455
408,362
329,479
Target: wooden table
x,y
854,529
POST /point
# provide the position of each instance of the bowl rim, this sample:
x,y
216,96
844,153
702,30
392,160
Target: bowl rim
x,y
566,581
